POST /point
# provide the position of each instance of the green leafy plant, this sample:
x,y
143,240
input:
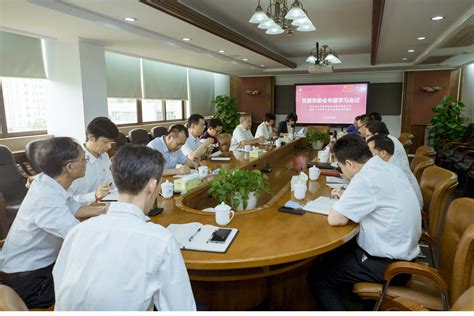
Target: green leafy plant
x,y
448,122
226,111
230,186
312,136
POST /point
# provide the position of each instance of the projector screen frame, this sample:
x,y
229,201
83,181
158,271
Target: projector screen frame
x,y
329,83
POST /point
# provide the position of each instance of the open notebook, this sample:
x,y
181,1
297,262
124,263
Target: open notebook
x,y
196,236
321,205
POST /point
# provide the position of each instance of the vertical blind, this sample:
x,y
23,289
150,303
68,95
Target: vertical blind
x,y
164,81
123,76
20,56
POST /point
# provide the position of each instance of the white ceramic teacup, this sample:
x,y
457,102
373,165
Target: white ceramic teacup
x,y
203,171
167,189
314,173
300,191
248,148
223,214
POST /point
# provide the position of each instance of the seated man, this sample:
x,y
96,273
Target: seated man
x,y
242,135
193,148
101,133
170,147
287,124
46,215
379,198
382,146
214,128
399,156
361,122
128,262
265,128
376,116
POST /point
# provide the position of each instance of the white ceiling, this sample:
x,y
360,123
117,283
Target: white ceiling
x,y
345,25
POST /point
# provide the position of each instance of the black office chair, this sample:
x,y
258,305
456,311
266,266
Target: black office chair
x,y
12,187
158,131
139,136
30,151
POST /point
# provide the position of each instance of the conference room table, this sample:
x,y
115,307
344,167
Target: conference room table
x,y
268,260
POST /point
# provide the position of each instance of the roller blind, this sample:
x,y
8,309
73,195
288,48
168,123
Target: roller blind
x,y
20,56
123,76
164,81
201,89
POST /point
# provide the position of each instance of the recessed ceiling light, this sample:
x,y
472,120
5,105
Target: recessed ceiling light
x,y
404,58
421,38
130,19
437,18
222,51
186,39
245,59
262,65
411,50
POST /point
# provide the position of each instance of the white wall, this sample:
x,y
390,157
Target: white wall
x,y
393,122
467,91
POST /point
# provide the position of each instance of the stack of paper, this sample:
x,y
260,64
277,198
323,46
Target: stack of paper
x,y
321,205
336,180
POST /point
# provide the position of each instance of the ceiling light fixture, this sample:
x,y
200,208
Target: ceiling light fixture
x,y
262,65
186,39
323,57
280,18
130,19
404,58
421,38
411,50
222,51
437,18
245,59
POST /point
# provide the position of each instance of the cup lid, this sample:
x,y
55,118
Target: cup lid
x,y
166,184
222,207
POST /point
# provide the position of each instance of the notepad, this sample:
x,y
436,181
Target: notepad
x,y
336,180
336,185
111,197
322,205
217,153
196,236
220,159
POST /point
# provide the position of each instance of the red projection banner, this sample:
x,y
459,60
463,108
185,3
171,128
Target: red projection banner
x,y
330,103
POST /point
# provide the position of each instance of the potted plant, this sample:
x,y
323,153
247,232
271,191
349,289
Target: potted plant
x,y
226,111
317,139
448,122
239,188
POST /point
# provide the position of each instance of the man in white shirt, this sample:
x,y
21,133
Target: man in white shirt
x,y
361,123
399,157
265,128
128,263
45,216
194,149
382,146
170,147
101,133
242,135
379,198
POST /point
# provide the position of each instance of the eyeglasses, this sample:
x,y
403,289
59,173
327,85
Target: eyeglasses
x,y
359,127
74,160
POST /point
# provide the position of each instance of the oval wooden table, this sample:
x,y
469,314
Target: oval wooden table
x,y
270,256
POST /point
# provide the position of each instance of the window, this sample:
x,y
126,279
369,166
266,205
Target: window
x,y
22,106
122,111
137,111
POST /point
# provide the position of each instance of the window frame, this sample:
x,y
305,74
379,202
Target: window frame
x,y
163,109
4,124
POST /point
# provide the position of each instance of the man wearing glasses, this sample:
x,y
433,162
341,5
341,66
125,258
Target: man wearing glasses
x,y
97,182
214,128
361,123
45,216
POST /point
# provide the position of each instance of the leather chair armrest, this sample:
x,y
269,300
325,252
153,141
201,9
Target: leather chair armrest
x,y
426,237
404,267
446,145
469,152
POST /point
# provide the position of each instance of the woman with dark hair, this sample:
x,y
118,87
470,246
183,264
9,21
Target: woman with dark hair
x,y
289,122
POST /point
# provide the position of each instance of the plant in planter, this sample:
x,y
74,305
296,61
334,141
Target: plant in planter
x,y
448,122
226,111
236,186
317,139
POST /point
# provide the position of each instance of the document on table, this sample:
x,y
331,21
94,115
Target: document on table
x,y
336,185
336,180
322,205
220,159
111,197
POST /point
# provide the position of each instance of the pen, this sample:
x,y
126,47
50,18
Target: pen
x,y
197,231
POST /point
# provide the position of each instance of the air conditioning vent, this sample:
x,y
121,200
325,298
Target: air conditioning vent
x,y
463,38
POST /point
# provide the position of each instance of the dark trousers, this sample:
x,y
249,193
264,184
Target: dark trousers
x,y
36,288
342,268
